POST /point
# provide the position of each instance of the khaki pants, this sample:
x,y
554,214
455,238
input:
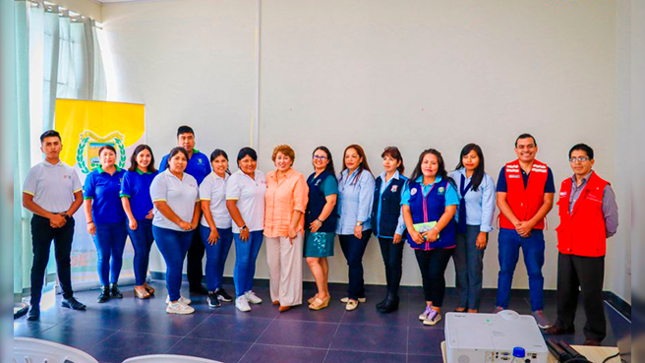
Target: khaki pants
x,y
285,269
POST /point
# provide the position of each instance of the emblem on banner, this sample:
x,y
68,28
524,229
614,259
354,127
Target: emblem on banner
x,y
87,153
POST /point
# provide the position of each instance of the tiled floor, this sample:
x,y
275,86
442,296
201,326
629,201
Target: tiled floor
x,y
129,327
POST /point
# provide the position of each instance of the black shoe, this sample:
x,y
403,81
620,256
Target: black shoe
x,y
34,313
104,296
73,304
223,296
558,330
391,305
115,292
199,289
213,301
380,305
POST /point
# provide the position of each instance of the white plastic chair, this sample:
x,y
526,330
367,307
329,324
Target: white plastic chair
x,y
30,350
168,358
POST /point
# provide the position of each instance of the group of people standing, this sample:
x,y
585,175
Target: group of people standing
x,y
194,205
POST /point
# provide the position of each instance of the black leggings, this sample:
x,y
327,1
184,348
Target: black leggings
x,y
433,265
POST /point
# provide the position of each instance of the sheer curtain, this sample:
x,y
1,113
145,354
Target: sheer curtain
x,y
57,56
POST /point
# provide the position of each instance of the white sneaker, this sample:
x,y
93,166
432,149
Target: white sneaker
x,y
242,304
252,297
424,315
183,300
432,318
346,299
179,308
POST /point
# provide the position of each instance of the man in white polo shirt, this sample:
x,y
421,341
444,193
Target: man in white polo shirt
x,y
53,193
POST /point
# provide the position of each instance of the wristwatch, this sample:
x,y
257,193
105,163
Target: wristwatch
x,y
243,227
358,224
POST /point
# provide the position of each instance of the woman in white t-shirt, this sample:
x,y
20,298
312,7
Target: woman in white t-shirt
x,y
175,195
216,226
245,202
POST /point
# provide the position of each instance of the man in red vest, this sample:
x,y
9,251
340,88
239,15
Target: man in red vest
x,y
588,216
525,191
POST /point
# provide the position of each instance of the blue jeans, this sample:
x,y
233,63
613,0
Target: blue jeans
x,y
510,243
173,246
110,242
216,255
246,252
354,249
469,266
142,239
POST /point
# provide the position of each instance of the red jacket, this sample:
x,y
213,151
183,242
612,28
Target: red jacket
x,y
582,233
524,203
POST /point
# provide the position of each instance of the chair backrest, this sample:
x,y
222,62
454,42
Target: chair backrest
x,y
168,358
30,350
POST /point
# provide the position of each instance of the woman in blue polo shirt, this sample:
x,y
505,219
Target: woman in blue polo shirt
x,y
388,224
135,196
175,195
106,220
216,231
475,220
429,203
356,194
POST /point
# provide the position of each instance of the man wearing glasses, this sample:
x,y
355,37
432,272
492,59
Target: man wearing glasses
x,y
588,216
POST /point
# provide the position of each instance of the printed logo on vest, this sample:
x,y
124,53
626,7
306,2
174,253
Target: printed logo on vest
x,y
413,191
394,188
441,190
514,176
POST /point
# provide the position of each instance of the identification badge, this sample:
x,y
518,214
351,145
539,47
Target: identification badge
x,y
514,176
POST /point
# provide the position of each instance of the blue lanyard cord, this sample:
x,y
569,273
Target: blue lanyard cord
x,y
463,189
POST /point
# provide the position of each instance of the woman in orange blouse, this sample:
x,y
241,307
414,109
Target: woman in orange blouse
x,y
285,202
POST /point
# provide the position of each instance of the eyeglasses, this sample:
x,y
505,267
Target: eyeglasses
x,y
580,159
320,157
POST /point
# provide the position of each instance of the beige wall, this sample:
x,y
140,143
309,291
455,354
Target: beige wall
x,y
414,73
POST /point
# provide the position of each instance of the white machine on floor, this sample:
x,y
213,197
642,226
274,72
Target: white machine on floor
x,y
491,338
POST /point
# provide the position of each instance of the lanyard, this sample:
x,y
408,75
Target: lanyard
x,y
425,203
463,190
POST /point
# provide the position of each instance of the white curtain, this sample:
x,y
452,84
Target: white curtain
x,y
58,56
64,62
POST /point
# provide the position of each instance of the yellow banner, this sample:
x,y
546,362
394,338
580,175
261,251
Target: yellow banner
x,y
85,126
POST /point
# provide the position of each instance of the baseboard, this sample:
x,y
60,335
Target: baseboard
x,y
619,304
405,289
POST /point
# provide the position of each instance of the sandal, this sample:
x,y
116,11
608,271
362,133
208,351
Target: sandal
x,y
150,290
319,304
311,299
142,295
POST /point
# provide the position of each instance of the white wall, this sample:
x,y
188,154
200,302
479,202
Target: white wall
x,y
414,74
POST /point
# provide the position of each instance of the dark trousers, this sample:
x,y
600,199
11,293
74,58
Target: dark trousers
x,y
532,247
354,249
194,270
173,246
110,241
393,260
469,266
142,240
433,265
42,236
582,274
